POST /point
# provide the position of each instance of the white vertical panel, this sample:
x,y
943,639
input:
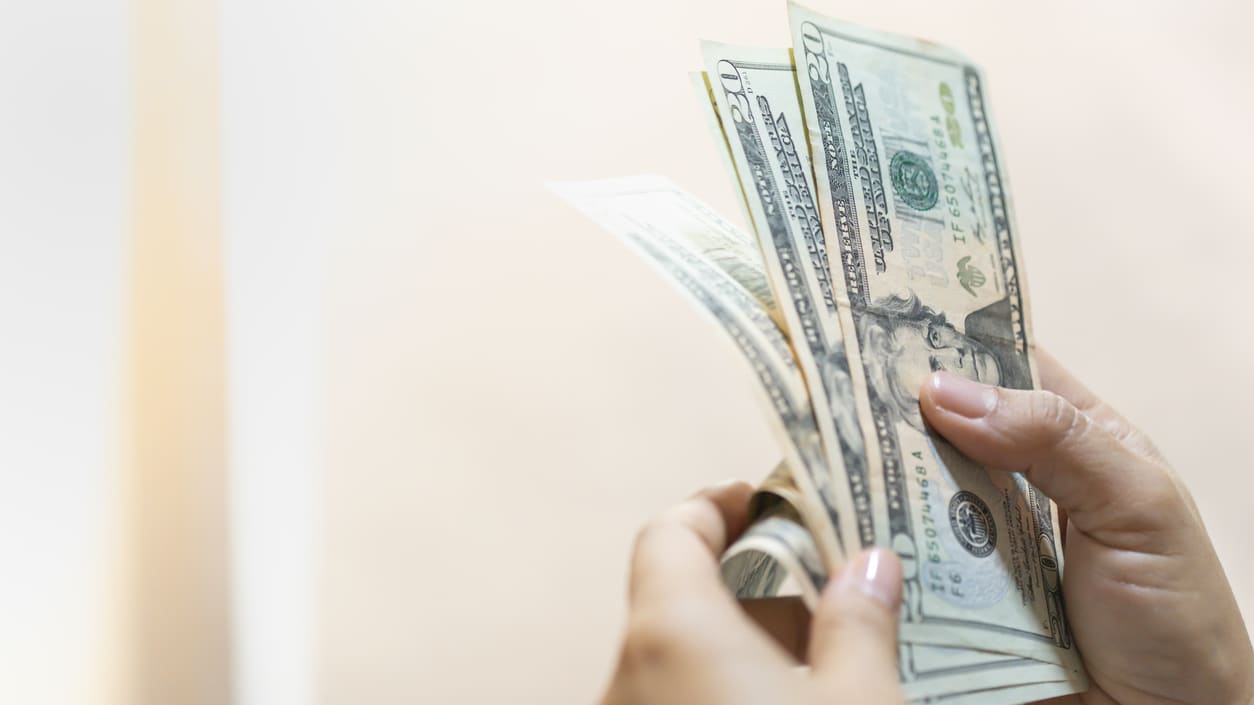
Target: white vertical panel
x,y
64,180
280,165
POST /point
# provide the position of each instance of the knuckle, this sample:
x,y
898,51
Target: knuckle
x,y
828,621
1053,418
857,615
662,634
698,516
654,533
647,644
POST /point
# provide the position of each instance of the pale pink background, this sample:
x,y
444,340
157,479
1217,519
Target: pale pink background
x,y
402,408
513,392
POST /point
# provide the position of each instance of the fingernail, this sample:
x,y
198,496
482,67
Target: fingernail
x,y
962,396
876,574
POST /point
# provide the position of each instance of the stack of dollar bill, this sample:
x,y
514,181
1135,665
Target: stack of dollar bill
x,y
885,249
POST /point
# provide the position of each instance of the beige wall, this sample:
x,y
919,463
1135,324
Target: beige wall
x,y
431,403
512,392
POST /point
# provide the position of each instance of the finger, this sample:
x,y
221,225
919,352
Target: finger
x,y
853,637
676,555
1102,484
684,627
784,619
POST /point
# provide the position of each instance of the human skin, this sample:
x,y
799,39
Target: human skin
x,y
1147,599
688,642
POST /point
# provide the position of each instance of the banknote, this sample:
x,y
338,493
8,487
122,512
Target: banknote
x,y
706,105
756,97
892,255
917,215
782,544
773,550
776,555
657,205
706,256
1020,693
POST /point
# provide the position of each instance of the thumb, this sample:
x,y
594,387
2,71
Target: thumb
x,y
853,636
1102,485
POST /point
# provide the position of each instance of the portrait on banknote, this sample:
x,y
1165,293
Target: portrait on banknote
x,y
905,340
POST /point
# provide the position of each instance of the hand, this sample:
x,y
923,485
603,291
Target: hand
x,y
1146,597
689,643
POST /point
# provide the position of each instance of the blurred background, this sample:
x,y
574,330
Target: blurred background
x,y
311,393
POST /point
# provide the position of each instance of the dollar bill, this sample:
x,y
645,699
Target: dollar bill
x,y
705,256
757,100
915,208
782,544
756,97
706,105
1021,693
777,550
773,549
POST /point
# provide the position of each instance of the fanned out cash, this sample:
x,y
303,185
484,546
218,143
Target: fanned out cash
x,y
885,249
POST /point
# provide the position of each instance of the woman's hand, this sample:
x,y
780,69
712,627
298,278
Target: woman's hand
x,y
1147,599
689,643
